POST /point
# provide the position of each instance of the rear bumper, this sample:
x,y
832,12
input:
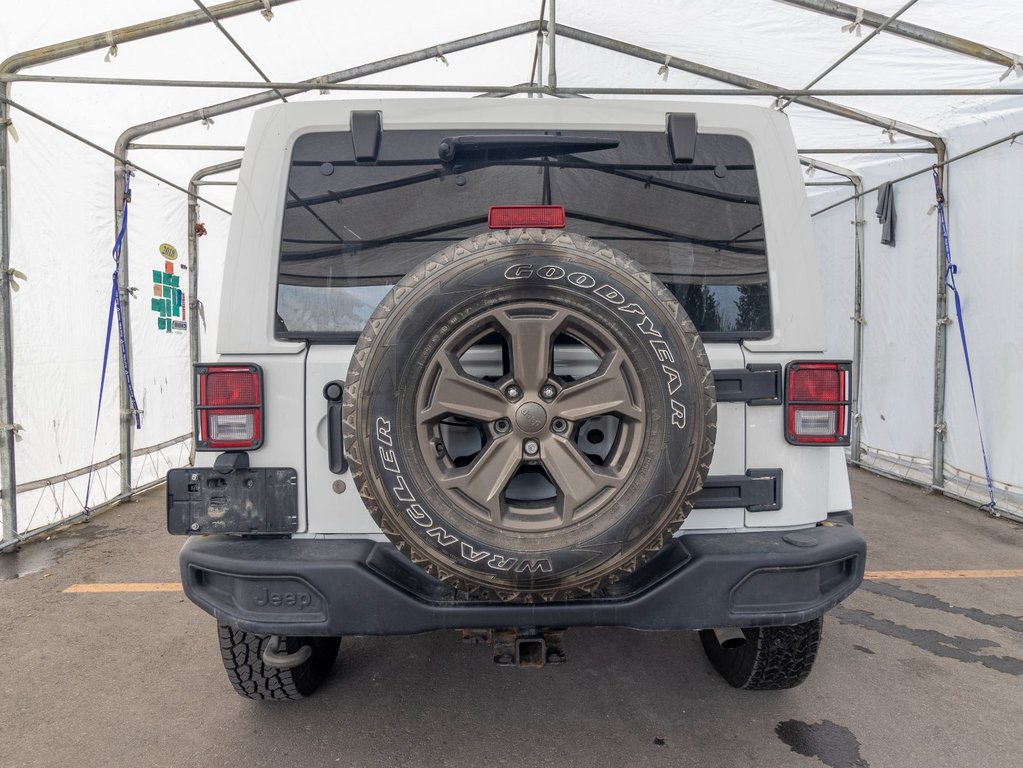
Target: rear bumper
x,y
361,587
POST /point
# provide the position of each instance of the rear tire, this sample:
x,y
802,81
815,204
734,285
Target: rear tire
x,y
771,659
242,653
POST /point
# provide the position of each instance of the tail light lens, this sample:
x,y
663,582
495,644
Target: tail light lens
x,y
228,407
510,216
817,403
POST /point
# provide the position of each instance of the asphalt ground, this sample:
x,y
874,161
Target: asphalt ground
x,y
913,671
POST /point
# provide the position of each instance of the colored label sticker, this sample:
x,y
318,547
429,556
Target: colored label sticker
x,y
168,300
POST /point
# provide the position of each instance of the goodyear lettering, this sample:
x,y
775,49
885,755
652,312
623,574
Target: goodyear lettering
x,y
581,280
551,272
662,351
646,326
614,297
609,294
674,380
518,272
678,414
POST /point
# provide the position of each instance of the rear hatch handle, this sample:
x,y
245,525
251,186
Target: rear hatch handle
x,y
333,392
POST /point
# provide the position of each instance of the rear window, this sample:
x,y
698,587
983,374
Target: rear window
x,y
351,230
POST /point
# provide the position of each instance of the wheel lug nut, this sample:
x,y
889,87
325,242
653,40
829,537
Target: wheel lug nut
x,y
531,447
513,392
548,391
501,426
559,425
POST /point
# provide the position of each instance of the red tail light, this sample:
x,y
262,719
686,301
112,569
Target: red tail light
x,y
543,216
228,407
817,403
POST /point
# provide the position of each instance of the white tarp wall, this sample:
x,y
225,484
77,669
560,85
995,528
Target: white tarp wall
x,y
63,223
986,237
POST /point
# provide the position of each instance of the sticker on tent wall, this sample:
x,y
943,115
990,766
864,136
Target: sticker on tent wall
x,y
168,300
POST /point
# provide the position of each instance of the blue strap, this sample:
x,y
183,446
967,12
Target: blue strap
x,y
115,306
950,281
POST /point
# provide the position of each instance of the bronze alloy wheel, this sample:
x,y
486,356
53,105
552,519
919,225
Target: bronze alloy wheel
x,y
528,415
530,420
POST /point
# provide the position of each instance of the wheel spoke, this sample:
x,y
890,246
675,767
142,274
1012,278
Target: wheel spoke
x,y
577,479
459,394
606,391
532,341
485,479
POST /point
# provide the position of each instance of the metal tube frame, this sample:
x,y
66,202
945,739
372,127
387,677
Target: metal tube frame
x,y
942,322
746,86
909,31
234,105
855,387
11,65
760,89
194,342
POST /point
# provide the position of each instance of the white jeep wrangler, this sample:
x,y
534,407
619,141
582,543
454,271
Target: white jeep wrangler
x,y
512,366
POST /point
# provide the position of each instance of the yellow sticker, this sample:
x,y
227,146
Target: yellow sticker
x,y
168,251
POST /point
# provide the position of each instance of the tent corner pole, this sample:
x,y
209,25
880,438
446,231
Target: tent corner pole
x,y
940,333
856,449
194,342
8,477
127,414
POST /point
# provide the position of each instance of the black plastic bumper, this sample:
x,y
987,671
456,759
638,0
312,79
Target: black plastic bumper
x,y
361,587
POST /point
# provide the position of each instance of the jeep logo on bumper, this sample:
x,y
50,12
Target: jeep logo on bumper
x,y
287,598
299,600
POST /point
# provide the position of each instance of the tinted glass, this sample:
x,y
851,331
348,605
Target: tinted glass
x,y
351,230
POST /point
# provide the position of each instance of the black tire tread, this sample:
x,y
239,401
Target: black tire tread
x,y
708,395
242,654
772,659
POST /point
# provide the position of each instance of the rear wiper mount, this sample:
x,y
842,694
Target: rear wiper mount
x,y
517,146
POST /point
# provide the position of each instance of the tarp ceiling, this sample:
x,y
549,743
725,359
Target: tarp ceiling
x,y
62,196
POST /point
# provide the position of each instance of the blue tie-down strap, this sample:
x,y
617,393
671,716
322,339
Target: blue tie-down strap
x,y
950,281
115,308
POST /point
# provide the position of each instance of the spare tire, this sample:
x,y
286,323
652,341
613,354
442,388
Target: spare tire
x,y
509,471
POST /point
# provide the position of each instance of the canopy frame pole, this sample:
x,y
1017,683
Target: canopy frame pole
x,y
194,341
858,222
8,476
743,82
909,31
264,97
942,321
848,54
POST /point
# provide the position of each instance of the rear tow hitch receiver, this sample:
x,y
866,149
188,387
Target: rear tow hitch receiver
x,y
533,648
274,654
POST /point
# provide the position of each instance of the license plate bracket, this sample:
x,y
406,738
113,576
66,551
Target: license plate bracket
x,y
257,500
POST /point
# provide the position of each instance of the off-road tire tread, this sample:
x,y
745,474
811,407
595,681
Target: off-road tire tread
x,y
242,653
773,658
405,287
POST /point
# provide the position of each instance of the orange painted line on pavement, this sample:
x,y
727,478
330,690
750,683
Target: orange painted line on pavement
x,y
1005,573
159,586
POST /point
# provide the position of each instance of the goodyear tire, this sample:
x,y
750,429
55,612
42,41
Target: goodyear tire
x,y
490,455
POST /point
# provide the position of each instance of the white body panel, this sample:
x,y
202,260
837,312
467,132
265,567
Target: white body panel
x,y
815,481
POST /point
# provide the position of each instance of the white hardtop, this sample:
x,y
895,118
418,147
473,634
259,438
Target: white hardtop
x,y
249,293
